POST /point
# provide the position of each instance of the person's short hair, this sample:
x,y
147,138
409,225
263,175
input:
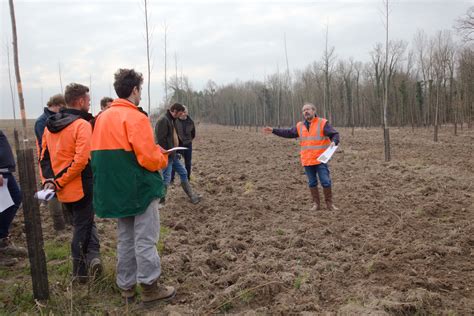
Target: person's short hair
x,y
104,101
74,91
57,99
177,107
125,81
310,104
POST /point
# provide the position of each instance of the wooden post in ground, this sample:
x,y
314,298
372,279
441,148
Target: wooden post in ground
x,y
56,213
34,232
16,138
26,168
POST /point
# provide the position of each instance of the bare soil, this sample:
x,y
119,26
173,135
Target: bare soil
x,y
401,244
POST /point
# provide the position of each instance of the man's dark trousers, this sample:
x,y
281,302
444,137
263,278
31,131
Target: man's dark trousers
x,y
85,241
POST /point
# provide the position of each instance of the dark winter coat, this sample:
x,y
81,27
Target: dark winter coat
x,y
186,131
165,132
7,162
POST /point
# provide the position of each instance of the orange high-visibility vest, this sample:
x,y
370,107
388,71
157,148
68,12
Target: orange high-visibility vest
x,y
313,142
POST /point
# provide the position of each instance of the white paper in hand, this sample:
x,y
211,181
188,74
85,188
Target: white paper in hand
x,y
45,195
327,154
175,149
5,197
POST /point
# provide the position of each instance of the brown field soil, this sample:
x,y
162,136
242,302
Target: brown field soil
x,y
401,244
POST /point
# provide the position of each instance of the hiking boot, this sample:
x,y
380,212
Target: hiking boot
x,y
316,200
328,197
189,192
128,295
7,248
95,268
156,292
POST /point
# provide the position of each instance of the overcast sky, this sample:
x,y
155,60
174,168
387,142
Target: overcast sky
x,y
218,40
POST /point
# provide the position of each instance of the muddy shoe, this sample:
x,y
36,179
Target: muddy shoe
x,y
95,268
156,292
129,296
76,280
7,248
8,262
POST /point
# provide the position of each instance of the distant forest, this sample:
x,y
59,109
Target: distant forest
x,y
432,78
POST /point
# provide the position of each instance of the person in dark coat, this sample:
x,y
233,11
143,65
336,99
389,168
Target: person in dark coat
x,y
55,103
8,251
186,134
167,137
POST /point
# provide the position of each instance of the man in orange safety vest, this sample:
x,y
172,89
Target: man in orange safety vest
x,y
315,136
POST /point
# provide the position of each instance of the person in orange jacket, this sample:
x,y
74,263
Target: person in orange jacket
x,y
65,164
128,186
54,105
315,135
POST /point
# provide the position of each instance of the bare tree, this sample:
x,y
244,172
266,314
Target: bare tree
x,y
386,134
443,54
60,77
17,73
11,87
465,25
90,94
148,36
289,84
32,219
328,61
166,64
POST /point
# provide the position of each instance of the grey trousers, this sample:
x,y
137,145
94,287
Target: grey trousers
x,y
137,257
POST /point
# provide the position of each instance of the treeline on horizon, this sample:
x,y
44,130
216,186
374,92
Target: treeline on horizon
x,y
433,74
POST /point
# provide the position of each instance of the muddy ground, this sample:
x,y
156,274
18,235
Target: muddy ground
x,y
401,243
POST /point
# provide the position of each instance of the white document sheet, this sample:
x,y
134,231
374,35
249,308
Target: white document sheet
x,y
45,195
5,197
327,154
175,149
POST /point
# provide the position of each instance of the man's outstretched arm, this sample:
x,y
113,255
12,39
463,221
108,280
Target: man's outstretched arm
x,y
282,132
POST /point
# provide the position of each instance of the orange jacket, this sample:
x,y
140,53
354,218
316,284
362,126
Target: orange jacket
x,y
125,162
65,154
128,129
313,142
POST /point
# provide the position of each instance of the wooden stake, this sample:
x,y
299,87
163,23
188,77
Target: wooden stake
x,y
26,168
34,232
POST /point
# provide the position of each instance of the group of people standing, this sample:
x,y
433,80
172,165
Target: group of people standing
x,y
115,166
112,166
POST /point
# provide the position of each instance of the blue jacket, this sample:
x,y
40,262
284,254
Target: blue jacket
x,y
40,124
7,162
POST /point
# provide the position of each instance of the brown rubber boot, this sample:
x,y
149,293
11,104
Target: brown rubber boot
x,y
328,197
316,200
155,292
